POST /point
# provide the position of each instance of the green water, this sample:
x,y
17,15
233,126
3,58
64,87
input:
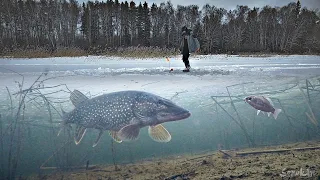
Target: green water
x,y
228,122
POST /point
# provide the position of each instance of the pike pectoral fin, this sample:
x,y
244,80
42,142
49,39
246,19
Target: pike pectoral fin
x,y
269,114
115,137
159,134
98,139
80,132
258,112
129,132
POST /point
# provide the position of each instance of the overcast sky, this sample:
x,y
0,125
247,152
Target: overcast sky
x,y
231,4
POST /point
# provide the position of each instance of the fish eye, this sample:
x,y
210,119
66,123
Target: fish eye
x,y
160,102
249,98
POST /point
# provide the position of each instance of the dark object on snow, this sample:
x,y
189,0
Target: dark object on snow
x,y
186,54
188,41
189,44
186,70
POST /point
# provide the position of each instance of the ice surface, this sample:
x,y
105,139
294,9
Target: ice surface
x,y
202,64
209,75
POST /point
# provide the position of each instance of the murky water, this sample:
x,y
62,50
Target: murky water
x,y
213,92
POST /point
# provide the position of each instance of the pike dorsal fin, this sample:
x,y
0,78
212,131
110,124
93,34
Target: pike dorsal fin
x,y
77,97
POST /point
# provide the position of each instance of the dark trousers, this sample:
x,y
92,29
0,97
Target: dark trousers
x,y
185,58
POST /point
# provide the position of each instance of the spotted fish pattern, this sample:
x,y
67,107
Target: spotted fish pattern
x,y
123,113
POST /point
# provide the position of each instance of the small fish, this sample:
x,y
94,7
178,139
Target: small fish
x,y
263,104
123,114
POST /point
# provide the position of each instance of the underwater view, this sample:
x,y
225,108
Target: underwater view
x,y
96,117
159,90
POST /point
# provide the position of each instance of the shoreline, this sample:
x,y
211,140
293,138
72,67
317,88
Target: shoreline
x,y
138,53
157,57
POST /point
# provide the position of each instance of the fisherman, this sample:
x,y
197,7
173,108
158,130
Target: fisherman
x,y
189,44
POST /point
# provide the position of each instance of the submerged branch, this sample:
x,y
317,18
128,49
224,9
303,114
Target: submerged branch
x,y
15,128
276,151
250,141
89,167
238,123
311,116
113,156
54,153
31,89
177,94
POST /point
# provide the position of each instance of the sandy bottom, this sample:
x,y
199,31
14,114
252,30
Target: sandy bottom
x,y
293,164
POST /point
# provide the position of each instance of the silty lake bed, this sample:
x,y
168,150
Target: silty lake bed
x,y
213,92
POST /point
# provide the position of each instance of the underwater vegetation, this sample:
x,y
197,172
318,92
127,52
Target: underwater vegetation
x,y
31,107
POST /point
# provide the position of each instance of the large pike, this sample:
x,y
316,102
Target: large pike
x,y
123,114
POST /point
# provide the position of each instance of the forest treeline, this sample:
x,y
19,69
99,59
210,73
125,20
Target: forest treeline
x,y
102,27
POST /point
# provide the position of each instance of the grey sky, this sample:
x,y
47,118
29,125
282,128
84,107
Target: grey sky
x,y
231,4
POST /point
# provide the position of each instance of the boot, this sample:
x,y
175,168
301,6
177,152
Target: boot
x,y
187,69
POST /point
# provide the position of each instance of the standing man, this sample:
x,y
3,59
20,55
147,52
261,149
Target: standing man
x,y
188,45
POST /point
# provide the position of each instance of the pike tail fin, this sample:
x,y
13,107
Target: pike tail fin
x,y
276,113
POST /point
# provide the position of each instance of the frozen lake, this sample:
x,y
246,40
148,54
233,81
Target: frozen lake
x,y
210,75
115,73
208,126
201,64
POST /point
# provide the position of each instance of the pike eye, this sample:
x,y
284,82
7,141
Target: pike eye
x,y
161,104
249,98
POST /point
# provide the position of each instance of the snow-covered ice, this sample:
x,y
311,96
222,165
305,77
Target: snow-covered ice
x,y
99,74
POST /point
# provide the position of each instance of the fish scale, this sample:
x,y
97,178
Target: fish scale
x,y
123,113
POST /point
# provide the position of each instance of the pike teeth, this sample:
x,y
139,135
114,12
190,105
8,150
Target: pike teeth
x,y
165,114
